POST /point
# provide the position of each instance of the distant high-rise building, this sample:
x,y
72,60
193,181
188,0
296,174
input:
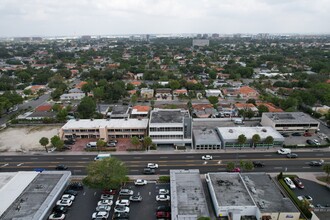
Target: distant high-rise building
x,y
205,36
201,42
237,35
215,35
199,35
36,38
86,37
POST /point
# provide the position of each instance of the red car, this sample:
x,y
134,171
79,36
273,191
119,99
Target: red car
x,y
161,214
307,134
298,182
235,170
109,191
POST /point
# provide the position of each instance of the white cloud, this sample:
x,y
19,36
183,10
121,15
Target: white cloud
x,y
67,17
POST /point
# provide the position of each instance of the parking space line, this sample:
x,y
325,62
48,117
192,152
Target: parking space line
x,y
20,164
85,158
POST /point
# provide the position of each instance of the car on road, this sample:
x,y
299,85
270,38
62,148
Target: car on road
x,y
235,170
71,192
121,209
298,182
163,191
137,198
162,214
68,196
122,202
57,216
207,157
105,202
148,171
121,215
258,164
289,182
126,192
61,167
312,142
152,165
64,202
297,134
140,182
164,208
103,208
106,196
285,134
102,215
292,155
162,198
316,163
284,151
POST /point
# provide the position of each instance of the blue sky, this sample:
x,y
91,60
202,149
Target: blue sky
x,y
102,17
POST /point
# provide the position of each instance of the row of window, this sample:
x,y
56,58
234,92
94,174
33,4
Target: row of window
x,y
97,131
207,147
166,129
297,125
166,136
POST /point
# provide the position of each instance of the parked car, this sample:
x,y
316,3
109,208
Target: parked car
x,y
292,155
64,202
105,202
76,186
152,165
307,134
121,215
121,209
68,196
165,208
103,208
126,192
316,142
316,163
60,209
258,164
162,198
123,202
298,182
106,196
61,167
109,191
111,144
137,198
312,142
69,142
235,170
284,151
102,215
163,191
289,182
57,216
207,157
148,171
285,134
296,134
71,192
140,182
162,214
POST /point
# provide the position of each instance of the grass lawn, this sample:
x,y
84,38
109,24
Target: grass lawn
x,y
323,179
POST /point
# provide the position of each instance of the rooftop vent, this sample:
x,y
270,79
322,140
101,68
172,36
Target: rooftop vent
x,y
231,131
264,130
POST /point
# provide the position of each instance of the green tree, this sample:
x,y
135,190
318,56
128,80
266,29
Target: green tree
x,y
269,140
230,166
57,142
213,100
241,139
61,115
44,142
262,109
326,169
248,165
255,139
100,144
147,141
133,99
86,108
108,173
174,84
135,141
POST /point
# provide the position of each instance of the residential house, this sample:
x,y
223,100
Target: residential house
x,y
213,92
203,110
72,96
147,93
248,93
164,94
246,106
271,107
178,92
140,111
230,91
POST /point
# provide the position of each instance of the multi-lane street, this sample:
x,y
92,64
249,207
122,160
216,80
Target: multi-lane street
x,y
136,162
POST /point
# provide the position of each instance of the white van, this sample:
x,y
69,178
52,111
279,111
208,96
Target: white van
x,y
238,121
91,144
284,151
102,156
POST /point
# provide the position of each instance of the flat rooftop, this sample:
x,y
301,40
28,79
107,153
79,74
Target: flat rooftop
x,y
290,117
120,109
187,195
168,116
31,193
234,132
206,136
266,194
109,123
230,190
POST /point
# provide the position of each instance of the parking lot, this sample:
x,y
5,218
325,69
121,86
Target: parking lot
x,y
86,201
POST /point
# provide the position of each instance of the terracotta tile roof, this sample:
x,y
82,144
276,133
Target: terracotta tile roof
x,y
44,108
271,107
247,90
80,85
135,83
142,108
193,81
201,106
132,91
244,105
180,91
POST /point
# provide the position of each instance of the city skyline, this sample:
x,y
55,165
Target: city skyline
x,y
101,17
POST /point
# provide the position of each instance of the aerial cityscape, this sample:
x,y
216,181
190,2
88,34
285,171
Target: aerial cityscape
x,y
149,109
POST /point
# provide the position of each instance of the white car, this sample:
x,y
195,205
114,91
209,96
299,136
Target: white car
x,y
68,196
105,202
126,192
140,182
207,157
103,208
289,182
57,216
123,202
163,191
162,198
103,215
106,196
284,151
64,202
121,209
316,142
152,165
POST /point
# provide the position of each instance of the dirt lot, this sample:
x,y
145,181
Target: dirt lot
x,y
25,138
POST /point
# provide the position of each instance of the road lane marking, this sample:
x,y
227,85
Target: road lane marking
x,y
34,158
77,171
20,164
276,168
8,158
242,155
59,158
163,157
190,156
137,157
306,167
134,170
319,155
163,170
85,158
268,155
5,165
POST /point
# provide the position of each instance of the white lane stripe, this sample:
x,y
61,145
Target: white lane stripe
x,y
268,155
20,164
8,158
85,158
163,157
137,157
33,158
59,158
5,165
163,170
276,168
306,167
241,155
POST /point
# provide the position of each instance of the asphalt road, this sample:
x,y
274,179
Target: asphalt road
x,y
136,162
